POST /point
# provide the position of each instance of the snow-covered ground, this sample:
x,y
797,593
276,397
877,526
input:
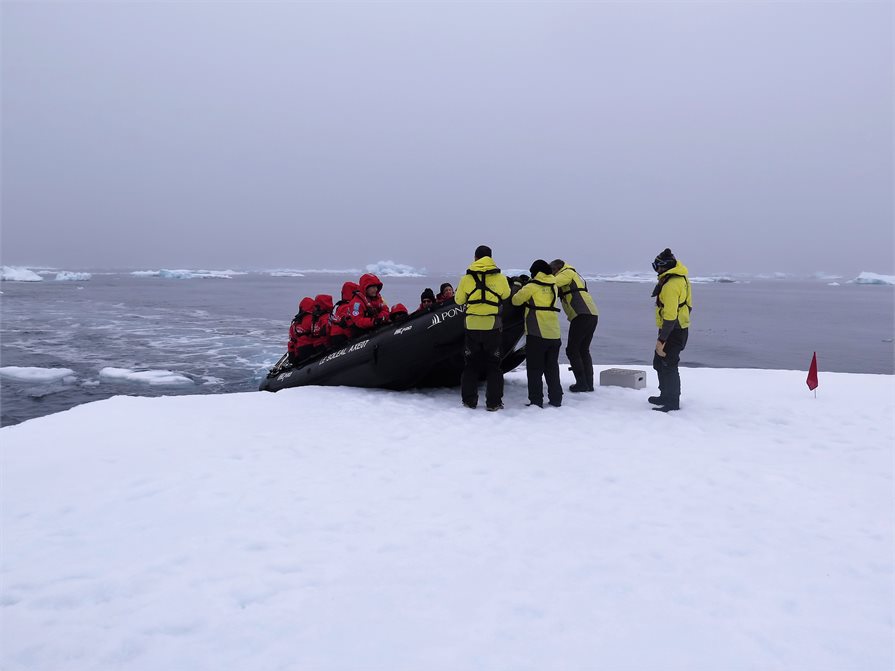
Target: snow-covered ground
x,y
335,528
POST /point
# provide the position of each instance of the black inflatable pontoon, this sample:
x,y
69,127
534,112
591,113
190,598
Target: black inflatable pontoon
x,y
424,351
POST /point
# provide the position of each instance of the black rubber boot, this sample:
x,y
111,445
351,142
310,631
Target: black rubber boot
x,y
657,400
670,405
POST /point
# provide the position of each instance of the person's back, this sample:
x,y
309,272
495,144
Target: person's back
x,y
581,310
542,342
482,290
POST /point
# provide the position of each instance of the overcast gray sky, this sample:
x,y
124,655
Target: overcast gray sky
x,y
748,136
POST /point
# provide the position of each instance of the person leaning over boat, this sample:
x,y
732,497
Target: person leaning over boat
x,y
542,338
481,290
581,311
367,309
674,301
340,317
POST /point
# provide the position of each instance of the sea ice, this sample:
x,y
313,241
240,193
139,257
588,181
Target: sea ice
x,y
153,377
874,278
66,276
35,374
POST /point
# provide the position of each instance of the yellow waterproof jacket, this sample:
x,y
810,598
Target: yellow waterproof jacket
x,y
572,288
539,297
481,290
675,297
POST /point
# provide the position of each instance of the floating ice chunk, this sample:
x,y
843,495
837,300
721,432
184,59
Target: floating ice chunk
x,y
392,269
285,273
66,276
874,278
719,279
17,274
153,377
833,284
35,374
188,274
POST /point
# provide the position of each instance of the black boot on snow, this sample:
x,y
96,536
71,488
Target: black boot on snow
x,y
669,406
656,400
577,387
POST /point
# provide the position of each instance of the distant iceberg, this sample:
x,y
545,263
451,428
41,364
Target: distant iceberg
x,y
717,279
188,274
874,278
284,273
66,276
17,274
153,377
392,269
34,374
623,277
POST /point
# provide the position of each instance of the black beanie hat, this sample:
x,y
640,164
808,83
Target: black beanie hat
x,y
442,287
540,266
482,250
427,293
664,260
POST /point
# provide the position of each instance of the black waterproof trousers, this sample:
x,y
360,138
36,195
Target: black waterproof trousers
x,y
482,359
542,359
667,367
581,332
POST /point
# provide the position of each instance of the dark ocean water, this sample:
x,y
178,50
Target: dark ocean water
x,y
224,333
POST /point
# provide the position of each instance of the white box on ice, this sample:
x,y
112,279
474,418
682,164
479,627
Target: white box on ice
x,y
623,377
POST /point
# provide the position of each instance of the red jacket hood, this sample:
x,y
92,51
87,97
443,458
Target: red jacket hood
x,y
306,305
398,308
324,302
349,289
369,280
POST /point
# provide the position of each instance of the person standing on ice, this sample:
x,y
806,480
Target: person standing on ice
x,y
542,340
367,310
674,300
481,290
581,310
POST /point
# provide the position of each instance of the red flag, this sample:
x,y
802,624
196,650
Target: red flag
x,y
812,373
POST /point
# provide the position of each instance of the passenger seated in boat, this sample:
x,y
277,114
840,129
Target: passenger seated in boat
x,y
340,318
445,294
398,314
367,308
300,345
323,306
427,300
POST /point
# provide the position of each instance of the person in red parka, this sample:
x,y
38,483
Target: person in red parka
x,y
367,309
339,318
300,347
323,305
398,313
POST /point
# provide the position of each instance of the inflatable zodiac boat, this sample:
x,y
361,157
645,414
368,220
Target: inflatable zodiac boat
x,y
425,350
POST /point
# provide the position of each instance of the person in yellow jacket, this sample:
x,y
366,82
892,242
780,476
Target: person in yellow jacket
x,y
581,310
674,300
542,341
482,290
